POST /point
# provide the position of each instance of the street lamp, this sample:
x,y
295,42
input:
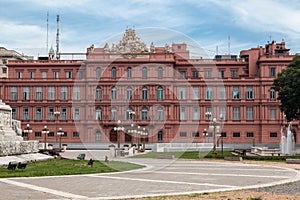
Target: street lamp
x,y
56,114
45,131
205,134
118,128
60,133
144,133
27,130
138,134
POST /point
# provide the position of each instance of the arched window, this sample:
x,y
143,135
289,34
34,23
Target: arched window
x,y
144,114
98,136
272,94
113,114
98,93
98,114
160,73
98,73
113,73
113,93
160,93
129,114
144,72
128,93
129,72
144,93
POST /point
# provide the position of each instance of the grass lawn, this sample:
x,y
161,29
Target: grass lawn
x,y
58,167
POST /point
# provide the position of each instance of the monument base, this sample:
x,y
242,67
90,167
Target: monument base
x,y
8,148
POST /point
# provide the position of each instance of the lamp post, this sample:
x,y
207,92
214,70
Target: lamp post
x,y
205,134
118,128
45,131
28,130
56,114
138,134
144,134
60,133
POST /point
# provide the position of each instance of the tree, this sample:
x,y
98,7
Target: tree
x,y
287,84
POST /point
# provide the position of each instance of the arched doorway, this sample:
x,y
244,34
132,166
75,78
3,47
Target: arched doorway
x,y
128,138
113,137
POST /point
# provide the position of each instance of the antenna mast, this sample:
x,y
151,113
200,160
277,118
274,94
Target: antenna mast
x,y
57,38
47,41
228,44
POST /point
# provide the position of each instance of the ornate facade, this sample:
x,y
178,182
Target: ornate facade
x,y
161,89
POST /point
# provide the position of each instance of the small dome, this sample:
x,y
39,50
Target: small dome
x,y
51,51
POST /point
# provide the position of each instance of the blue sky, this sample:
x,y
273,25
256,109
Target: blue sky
x,y
249,22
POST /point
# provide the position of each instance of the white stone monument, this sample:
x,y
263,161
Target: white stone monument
x,y
11,141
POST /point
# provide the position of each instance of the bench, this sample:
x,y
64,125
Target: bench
x,y
81,156
292,161
233,158
22,165
12,165
166,156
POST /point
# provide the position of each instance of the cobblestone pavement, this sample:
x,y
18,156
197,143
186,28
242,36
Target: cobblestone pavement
x,y
160,177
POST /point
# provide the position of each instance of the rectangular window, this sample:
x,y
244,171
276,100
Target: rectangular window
x,y
196,93
249,113
37,134
44,74
76,113
51,114
160,94
182,93
209,93
272,72
76,93
144,115
69,74
236,113
51,93
221,73
160,73
223,134
129,72
113,115
234,73
19,74
182,113
63,114
272,94
236,93
273,134
272,114
160,115
182,134
14,113
51,134
195,74
38,114
236,134
38,93
13,93
182,74
56,75
26,94
222,92
222,111
208,113
195,134
196,114
80,74
25,114
207,73
64,93
65,134
249,93
31,74
250,134
76,134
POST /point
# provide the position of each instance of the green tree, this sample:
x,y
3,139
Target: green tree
x,y
287,84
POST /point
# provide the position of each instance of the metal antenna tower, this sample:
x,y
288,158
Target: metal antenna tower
x,y
57,38
47,40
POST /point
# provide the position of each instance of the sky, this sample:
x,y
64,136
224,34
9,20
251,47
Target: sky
x,y
212,24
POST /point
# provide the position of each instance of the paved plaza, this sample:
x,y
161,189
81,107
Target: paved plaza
x,y
159,177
